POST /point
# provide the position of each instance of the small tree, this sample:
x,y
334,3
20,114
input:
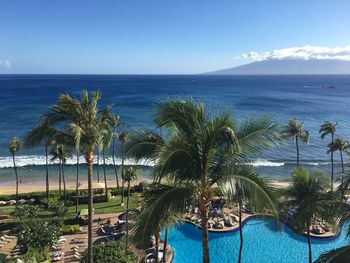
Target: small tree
x,y
38,234
58,209
110,252
27,211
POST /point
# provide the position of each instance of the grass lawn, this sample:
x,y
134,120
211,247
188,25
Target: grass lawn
x,y
112,206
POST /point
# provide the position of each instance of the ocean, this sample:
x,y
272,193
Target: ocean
x,y
306,97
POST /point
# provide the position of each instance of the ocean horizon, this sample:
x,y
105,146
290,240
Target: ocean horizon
x,y
24,98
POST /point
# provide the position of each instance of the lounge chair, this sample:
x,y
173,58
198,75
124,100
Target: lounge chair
x,y
9,237
5,239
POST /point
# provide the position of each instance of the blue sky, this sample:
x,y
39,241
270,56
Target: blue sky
x,y
163,36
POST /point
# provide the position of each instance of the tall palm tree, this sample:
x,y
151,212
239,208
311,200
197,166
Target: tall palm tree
x,y
123,138
77,179
309,197
106,137
200,151
115,124
98,162
55,155
294,129
84,118
252,190
42,133
341,145
14,146
130,175
329,128
61,152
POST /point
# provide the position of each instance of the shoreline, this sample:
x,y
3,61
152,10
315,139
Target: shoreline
x,y
29,187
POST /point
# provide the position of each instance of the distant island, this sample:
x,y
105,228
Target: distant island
x,y
288,66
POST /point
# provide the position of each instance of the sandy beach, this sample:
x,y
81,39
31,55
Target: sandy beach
x,y
27,187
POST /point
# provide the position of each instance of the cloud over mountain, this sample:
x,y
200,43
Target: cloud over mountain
x,y
301,53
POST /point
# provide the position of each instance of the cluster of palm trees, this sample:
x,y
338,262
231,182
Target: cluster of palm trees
x,y
295,130
77,125
200,153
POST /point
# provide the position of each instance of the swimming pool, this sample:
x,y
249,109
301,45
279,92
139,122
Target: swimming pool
x,y
263,243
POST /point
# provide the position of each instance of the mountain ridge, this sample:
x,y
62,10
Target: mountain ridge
x,y
288,67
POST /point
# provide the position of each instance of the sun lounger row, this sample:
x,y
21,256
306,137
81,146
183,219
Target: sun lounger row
x,y
5,239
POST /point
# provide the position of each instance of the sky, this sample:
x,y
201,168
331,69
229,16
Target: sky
x,y
166,36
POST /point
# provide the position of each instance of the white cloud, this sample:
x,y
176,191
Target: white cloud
x,y
5,64
302,53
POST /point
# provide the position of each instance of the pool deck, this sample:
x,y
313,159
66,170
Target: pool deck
x,y
246,216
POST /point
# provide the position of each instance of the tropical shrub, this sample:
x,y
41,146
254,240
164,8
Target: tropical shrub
x,y
34,255
39,234
58,209
110,252
26,211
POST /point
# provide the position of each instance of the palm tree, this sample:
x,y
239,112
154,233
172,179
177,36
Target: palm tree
x,y
253,190
294,129
123,138
84,118
77,179
341,145
326,129
200,151
115,124
106,137
129,176
61,152
42,133
14,146
167,219
98,163
309,197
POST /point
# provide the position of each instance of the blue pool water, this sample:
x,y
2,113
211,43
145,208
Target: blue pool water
x,y
263,242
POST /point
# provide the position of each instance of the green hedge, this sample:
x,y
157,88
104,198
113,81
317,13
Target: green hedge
x,y
70,229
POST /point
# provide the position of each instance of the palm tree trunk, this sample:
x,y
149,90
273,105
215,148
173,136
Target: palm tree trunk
x,y
16,174
127,220
157,245
332,165
165,242
47,175
98,166
59,177
309,244
240,234
342,175
89,157
64,184
122,200
204,210
104,173
77,186
297,146
115,167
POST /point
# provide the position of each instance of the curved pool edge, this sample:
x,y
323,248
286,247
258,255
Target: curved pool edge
x,y
250,217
